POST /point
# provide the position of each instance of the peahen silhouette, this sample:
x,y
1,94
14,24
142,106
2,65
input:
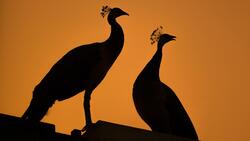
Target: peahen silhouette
x,y
82,68
155,102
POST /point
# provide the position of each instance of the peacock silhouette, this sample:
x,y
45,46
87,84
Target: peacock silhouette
x,y
155,102
81,69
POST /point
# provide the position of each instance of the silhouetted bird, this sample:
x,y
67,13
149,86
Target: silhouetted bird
x,y
155,102
82,68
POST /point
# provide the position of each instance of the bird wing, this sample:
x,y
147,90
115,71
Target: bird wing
x,y
86,55
172,102
73,68
181,122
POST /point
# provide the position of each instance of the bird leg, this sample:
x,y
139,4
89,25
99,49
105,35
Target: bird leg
x,y
86,105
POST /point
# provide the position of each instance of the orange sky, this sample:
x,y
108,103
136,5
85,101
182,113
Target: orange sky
x,y
207,66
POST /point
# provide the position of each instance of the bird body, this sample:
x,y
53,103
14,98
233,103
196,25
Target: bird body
x,y
82,68
74,72
156,103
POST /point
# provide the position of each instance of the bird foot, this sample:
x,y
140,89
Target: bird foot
x,y
86,127
76,133
79,133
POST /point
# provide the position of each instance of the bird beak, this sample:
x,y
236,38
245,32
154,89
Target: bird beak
x,y
124,13
173,37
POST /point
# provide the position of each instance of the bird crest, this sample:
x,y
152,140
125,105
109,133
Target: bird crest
x,y
155,36
105,10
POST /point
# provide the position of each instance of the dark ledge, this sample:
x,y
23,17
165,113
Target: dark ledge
x,y
14,128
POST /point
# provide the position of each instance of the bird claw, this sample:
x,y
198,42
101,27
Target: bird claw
x,y
78,133
86,127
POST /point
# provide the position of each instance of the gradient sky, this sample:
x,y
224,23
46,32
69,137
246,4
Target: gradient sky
x,y
207,66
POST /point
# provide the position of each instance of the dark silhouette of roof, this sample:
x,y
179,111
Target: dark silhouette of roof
x,y
82,68
14,128
156,103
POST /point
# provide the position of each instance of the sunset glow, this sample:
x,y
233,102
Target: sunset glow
x,y
207,66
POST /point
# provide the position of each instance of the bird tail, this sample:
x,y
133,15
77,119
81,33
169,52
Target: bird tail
x,y
38,107
26,113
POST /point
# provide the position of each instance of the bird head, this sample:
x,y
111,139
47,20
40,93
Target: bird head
x,y
164,38
158,36
112,12
117,12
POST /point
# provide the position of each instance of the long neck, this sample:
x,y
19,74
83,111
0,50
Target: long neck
x,y
116,39
152,69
